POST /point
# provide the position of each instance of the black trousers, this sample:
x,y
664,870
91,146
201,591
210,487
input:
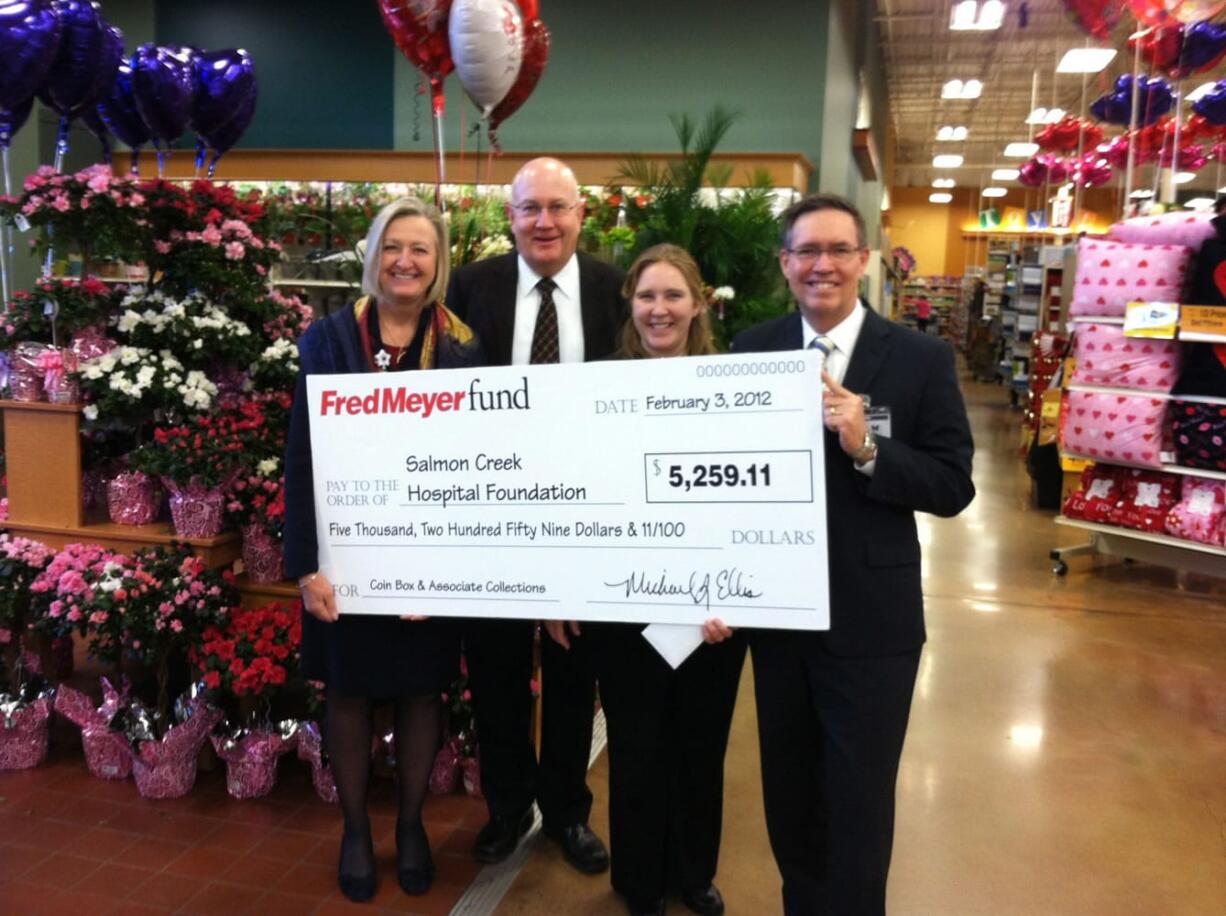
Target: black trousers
x,y
668,731
499,654
831,734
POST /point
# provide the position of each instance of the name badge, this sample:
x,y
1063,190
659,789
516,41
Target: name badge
x,y
878,420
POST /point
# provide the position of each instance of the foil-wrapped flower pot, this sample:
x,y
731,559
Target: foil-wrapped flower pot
x,y
471,768
106,751
25,377
24,735
445,774
251,761
262,555
167,768
91,342
310,749
196,511
133,498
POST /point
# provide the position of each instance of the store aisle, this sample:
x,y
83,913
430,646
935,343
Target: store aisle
x,y
1067,743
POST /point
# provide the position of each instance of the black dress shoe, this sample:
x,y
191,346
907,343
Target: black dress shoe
x,y
654,907
582,848
500,836
415,880
706,902
357,887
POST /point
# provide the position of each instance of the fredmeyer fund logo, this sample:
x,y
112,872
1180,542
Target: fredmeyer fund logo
x,y
402,400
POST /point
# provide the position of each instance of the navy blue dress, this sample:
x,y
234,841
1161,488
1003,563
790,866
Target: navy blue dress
x,y
364,655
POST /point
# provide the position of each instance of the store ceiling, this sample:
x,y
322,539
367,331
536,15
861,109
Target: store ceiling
x,y
922,53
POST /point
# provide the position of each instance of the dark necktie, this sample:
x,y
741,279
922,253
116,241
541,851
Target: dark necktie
x,y
545,334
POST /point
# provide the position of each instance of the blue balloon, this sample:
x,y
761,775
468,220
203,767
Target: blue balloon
x,y
162,88
69,86
222,140
108,65
1116,106
223,80
29,41
1213,106
119,112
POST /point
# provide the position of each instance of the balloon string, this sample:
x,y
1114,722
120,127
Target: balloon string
x,y
463,129
61,150
6,231
439,160
161,162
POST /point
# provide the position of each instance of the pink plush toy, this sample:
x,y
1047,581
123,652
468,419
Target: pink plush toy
x,y
1200,514
1112,274
1106,357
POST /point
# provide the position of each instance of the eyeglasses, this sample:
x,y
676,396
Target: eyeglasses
x,y
838,254
533,210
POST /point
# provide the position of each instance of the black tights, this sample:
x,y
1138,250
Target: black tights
x,y
417,728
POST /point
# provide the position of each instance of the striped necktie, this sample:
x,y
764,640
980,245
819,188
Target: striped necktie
x,y
823,345
545,335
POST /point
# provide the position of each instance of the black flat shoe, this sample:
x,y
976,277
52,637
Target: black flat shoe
x,y
581,847
706,902
415,880
356,887
500,836
645,907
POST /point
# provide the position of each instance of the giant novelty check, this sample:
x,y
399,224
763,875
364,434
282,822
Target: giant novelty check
x,y
658,490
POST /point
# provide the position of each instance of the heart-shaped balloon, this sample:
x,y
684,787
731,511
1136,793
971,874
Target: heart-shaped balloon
x,y
1032,173
119,112
91,119
487,46
1094,17
162,89
1190,159
1092,171
1116,106
1154,12
221,82
11,121
70,84
223,139
1069,133
1057,168
1160,48
1219,151
419,28
29,41
108,66
536,55
1213,105
1204,45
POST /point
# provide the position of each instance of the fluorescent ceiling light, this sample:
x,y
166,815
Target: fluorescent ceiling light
x,y
1184,177
1085,60
1045,116
1199,203
1200,92
946,161
940,197
1005,174
944,183
1142,194
957,89
1021,150
970,15
995,192
949,132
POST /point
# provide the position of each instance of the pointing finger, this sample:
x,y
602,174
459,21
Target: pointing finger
x,y
835,387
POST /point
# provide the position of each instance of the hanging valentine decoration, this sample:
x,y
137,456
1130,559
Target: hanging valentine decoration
x,y
1091,171
1116,106
1213,106
1057,168
1190,159
223,139
221,82
1198,127
1154,12
1032,173
119,113
1067,134
162,89
29,43
1094,17
536,55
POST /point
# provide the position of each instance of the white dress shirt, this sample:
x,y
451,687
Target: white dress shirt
x,y
844,334
565,299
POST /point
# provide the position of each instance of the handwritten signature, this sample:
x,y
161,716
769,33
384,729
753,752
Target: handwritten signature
x,y
728,583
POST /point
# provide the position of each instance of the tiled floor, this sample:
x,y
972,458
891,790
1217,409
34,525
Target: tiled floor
x,y
74,844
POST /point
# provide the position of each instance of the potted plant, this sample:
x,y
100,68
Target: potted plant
x,y
255,504
25,704
246,660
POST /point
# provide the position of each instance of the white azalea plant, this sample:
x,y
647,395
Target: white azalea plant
x,y
194,328
130,383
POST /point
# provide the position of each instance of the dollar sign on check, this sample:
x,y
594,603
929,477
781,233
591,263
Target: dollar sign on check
x,y
655,462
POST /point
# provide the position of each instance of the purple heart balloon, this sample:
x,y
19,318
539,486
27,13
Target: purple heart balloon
x,y
222,82
91,119
1213,106
119,111
108,65
222,140
1116,107
1032,173
12,120
162,88
29,40
70,83
1204,43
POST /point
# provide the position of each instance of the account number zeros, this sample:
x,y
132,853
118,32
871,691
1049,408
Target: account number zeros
x,y
765,367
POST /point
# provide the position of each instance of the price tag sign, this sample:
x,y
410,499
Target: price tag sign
x,y
1203,322
1156,320
652,491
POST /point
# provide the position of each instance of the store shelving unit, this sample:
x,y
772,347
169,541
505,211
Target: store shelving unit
x,y
943,292
1058,263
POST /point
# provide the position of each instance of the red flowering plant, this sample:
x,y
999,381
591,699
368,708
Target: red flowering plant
x,y
62,591
251,653
257,497
206,449
458,706
21,562
75,305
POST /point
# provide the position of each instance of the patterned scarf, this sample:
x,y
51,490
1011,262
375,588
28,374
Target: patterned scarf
x,y
445,325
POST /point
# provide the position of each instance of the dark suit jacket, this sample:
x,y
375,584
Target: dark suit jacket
x,y
876,603
483,295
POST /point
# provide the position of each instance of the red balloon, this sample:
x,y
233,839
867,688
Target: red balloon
x,y
1094,17
419,28
536,55
529,9
1219,150
1067,133
1201,128
1160,48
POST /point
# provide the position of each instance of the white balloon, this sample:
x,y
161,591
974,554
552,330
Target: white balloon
x,y
487,45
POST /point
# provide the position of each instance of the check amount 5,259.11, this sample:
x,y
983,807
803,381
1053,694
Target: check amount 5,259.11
x,y
769,476
719,475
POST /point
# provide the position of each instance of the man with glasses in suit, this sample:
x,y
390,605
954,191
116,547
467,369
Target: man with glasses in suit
x,y
542,303
833,705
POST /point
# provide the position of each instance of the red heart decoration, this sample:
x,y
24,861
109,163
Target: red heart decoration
x,y
1112,416
1219,277
1165,364
1127,348
1088,364
1077,430
1148,437
1161,282
1142,263
1148,456
1110,434
1093,451
1131,418
1128,455
1097,414
1090,346
1147,349
1108,347
1120,400
1121,282
1126,367
1104,263
1102,301
1085,282
1081,411
1142,381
